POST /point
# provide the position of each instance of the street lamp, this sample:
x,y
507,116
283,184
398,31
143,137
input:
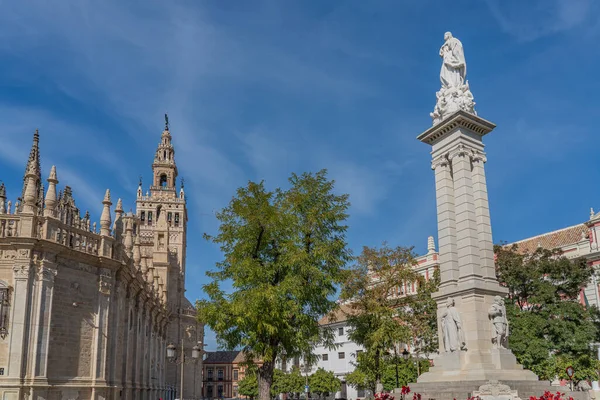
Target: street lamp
x,y
405,354
306,367
172,357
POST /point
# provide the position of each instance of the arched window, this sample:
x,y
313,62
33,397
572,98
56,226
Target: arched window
x,y
4,305
163,180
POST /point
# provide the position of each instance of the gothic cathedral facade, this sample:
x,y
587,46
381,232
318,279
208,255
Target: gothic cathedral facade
x,y
87,311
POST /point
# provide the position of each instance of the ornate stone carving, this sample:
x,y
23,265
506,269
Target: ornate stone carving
x,y
47,274
497,315
452,330
441,161
479,156
23,253
21,271
460,151
105,281
494,390
455,93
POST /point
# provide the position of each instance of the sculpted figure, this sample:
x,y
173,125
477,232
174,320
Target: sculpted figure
x,y
454,66
455,94
497,314
453,334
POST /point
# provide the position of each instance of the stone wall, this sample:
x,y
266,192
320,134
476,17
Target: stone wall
x,y
73,321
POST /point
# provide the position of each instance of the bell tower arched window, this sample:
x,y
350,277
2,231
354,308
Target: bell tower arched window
x,y
163,180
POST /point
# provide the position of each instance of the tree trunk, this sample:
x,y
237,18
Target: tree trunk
x,y
378,384
265,380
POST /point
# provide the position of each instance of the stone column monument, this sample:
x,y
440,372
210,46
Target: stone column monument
x,y
472,324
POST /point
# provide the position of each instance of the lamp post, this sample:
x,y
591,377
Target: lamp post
x,y
405,355
306,368
172,357
396,364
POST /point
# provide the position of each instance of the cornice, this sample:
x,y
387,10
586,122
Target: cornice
x,y
460,119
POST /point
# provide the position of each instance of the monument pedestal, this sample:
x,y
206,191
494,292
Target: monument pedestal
x,y
493,364
462,390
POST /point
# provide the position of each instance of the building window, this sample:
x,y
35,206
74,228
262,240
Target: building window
x,y
176,219
209,391
169,217
209,376
143,216
341,355
236,374
325,357
235,391
150,218
220,391
163,180
340,331
360,393
4,304
220,374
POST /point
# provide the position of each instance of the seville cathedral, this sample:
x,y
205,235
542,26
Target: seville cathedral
x,y
87,311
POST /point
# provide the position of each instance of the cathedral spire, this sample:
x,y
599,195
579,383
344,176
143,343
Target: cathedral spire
x,y
51,200
105,216
2,198
33,167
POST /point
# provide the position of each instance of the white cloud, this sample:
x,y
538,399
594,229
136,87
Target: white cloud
x,y
531,20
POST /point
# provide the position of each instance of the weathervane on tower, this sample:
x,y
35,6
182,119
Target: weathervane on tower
x,y
166,122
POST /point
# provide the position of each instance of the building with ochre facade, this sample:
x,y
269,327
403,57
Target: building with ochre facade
x,y
87,310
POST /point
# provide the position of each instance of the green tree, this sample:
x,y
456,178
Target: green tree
x,y
548,326
284,255
295,382
323,382
372,292
420,313
363,376
248,386
280,383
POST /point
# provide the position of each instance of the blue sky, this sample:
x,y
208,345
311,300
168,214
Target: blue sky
x,y
259,89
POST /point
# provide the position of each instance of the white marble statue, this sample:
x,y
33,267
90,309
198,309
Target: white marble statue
x,y
455,93
454,66
497,314
453,334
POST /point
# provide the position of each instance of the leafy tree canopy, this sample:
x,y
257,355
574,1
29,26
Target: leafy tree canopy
x,y
363,376
372,293
284,255
323,382
548,325
248,386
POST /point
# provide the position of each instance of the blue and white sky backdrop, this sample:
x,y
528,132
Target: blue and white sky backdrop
x,y
258,89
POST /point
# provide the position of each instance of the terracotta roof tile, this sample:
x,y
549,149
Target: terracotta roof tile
x,y
339,315
552,240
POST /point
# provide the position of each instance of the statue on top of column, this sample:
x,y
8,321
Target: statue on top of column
x,y
455,93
